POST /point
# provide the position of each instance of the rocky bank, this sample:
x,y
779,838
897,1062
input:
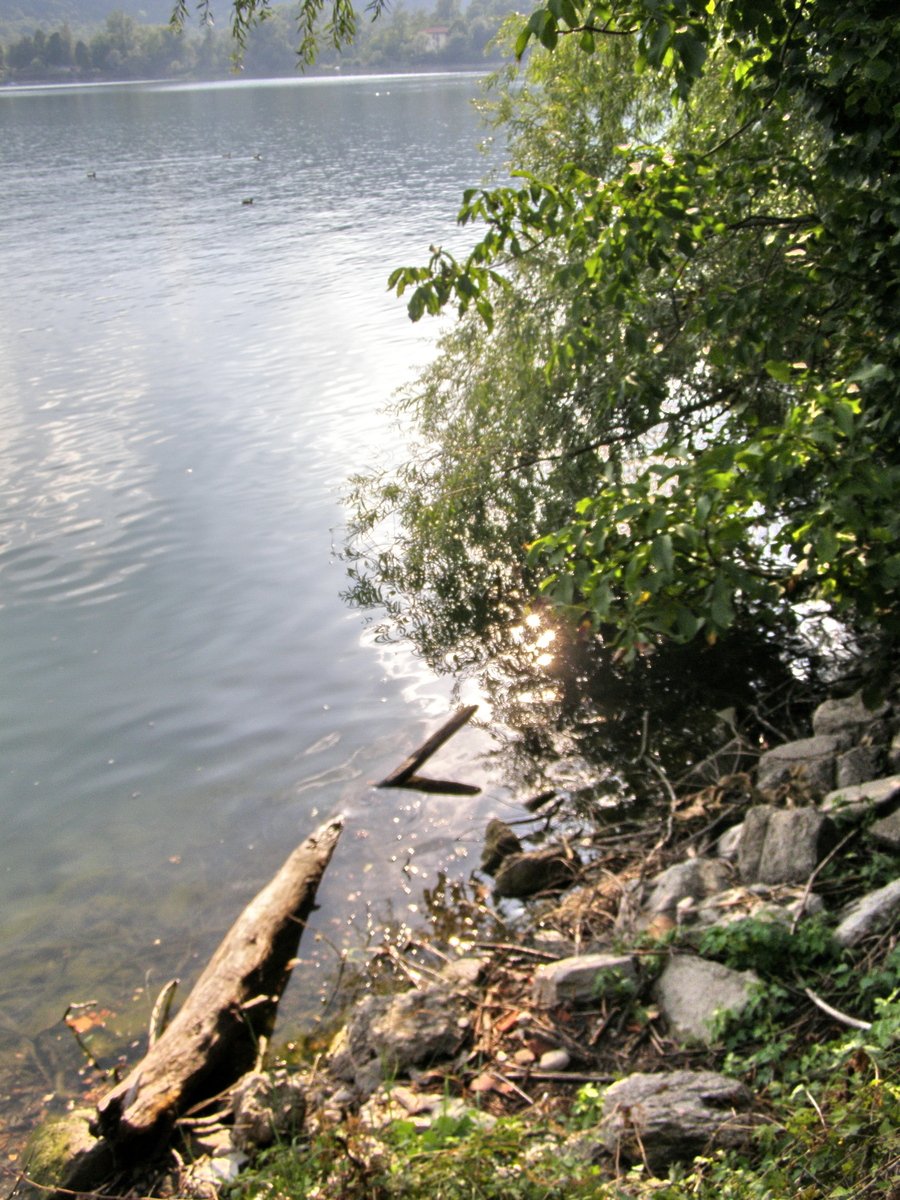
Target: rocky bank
x,y
597,977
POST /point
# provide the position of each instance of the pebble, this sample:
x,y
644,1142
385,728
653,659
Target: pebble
x,y
554,1060
523,1057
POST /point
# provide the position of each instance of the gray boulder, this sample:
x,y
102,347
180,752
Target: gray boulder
x,y
886,831
859,765
849,715
871,914
863,798
547,870
810,763
691,991
267,1106
674,1116
387,1035
499,843
582,979
783,845
63,1153
762,902
694,879
729,842
893,754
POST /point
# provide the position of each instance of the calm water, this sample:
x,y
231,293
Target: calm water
x,y
185,382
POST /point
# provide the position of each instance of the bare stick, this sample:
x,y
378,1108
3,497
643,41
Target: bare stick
x,y
159,1018
405,775
853,1022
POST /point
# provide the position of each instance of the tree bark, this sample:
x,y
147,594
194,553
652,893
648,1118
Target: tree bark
x,y
217,1034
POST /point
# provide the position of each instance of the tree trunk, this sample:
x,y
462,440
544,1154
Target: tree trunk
x,y
217,1035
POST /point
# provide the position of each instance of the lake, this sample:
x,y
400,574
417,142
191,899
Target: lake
x,y
186,381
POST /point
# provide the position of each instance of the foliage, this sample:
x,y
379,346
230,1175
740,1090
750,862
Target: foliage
x,y
674,379
770,947
469,1157
829,1134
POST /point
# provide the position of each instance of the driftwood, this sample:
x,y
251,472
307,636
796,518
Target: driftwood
x,y
405,775
223,1026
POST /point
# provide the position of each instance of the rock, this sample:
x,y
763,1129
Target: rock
x,y
869,915
893,756
63,1153
691,991
267,1106
809,762
847,715
387,1035
694,879
554,1060
499,843
523,1057
464,972
674,1116
859,765
862,798
761,902
582,979
727,845
782,845
399,1103
547,870
207,1177
886,831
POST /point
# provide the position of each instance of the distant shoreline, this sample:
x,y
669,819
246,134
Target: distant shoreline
x,y
313,74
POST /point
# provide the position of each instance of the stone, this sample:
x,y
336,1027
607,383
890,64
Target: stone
x,y
421,1109
783,845
694,879
554,1060
207,1177
551,869
267,1107
777,903
859,765
862,798
63,1153
674,1116
582,979
893,756
870,914
691,991
464,972
727,845
810,763
499,843
886,831
386,1035
849,714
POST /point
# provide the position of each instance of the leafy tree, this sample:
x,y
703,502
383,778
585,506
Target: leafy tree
x,y
59,47
670,401
707,354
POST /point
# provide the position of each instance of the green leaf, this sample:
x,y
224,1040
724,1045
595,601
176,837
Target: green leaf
x,y
662,553
779,371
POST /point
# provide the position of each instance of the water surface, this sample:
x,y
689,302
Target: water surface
x,y
186,380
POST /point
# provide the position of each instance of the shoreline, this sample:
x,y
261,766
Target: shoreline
x,y
548,1016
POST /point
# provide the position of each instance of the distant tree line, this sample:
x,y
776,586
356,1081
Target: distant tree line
x,y
125,49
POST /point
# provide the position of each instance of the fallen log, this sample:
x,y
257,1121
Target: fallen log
x,y
405,776
223,1026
